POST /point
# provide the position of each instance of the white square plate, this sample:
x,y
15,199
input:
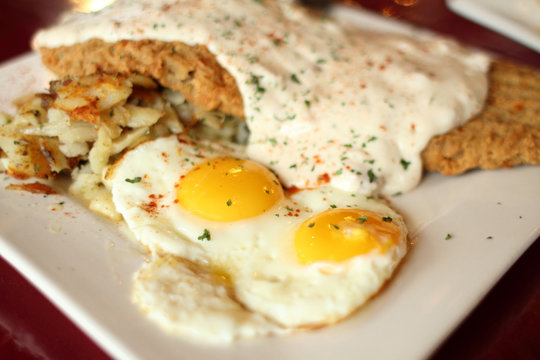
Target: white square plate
x,y
517,19
84,264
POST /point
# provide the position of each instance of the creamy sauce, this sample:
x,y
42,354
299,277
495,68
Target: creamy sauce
x,y
323,103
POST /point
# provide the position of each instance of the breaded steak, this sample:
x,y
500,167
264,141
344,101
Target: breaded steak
x,y
506,133
191,70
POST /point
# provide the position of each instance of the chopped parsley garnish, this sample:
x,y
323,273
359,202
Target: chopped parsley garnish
x,y
387,219
310,225
387,102
405,163
229,202
255,80
205,235
333,206
448,237
361,219
489,237
285,118
134,180
295,78
371,175
335,226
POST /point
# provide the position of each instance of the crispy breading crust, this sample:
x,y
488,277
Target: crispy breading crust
x,y
506,133
191,70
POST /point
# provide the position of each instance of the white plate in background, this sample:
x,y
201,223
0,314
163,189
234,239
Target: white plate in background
x,y
517,19
84,264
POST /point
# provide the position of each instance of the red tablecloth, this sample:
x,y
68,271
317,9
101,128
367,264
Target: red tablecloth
x,y
506,324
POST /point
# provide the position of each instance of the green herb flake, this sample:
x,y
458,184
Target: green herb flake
x,y
310,225
205,235
371,175
335,226
255,80
448,237
333,206
295,78
361,219
134,180
387,219
229,202
405,164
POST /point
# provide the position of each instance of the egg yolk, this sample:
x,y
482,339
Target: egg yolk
x,y
228,189
340,234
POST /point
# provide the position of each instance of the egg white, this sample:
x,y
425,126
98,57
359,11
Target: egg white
x,y
255,256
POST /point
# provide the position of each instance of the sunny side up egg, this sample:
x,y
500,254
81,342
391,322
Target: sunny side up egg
x,y
235,255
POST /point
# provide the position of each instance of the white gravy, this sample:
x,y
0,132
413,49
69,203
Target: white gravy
x,y
323,102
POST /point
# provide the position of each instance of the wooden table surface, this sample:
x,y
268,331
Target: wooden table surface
x,y
505,325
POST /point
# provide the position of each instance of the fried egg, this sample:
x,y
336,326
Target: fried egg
x,y
287,259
